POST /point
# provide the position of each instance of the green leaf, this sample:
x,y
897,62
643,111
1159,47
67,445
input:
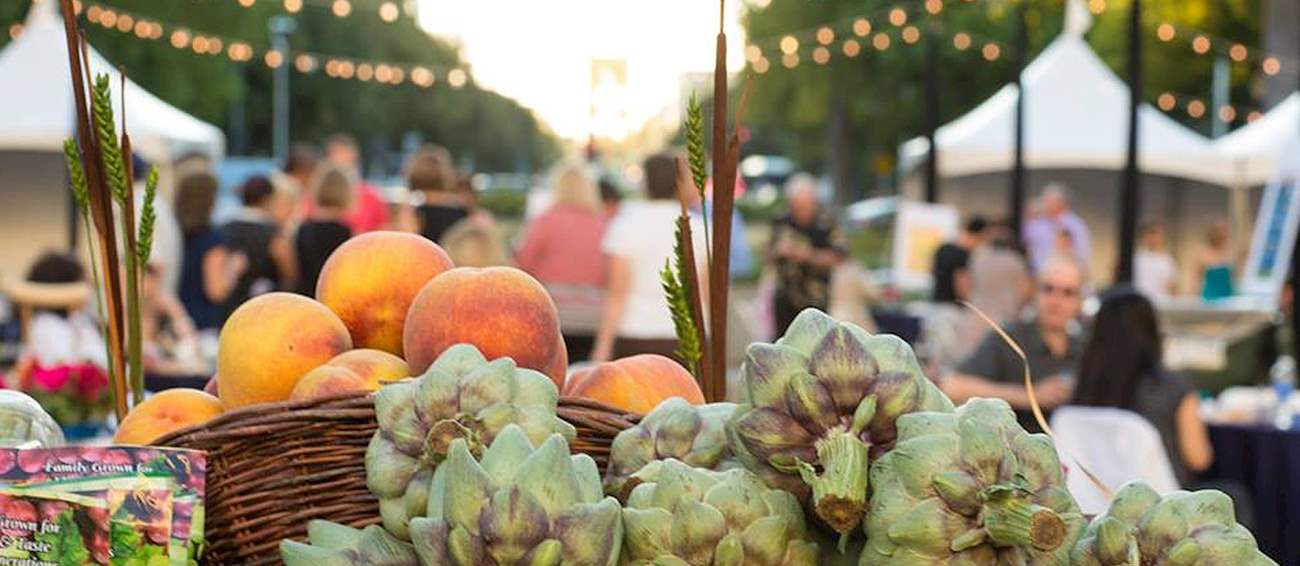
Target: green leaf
x,y
66,546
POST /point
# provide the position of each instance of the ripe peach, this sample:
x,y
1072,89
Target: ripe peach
x,y
270,342
501,310
327,380
165,412
636,384
370,280
372,366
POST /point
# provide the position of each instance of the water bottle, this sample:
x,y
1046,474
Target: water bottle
x,y
1283,378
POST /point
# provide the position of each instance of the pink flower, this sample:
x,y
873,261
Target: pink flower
x,y
50,378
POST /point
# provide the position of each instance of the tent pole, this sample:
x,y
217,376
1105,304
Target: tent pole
x,y
1017,201
933,102
1128,198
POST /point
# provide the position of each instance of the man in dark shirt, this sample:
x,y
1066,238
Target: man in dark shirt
x,y
805,247
951,260
1051,340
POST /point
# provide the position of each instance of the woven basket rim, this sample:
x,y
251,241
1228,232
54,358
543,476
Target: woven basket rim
x,y
349,399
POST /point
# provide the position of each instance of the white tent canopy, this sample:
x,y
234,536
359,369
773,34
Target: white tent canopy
x,y
40,105
1076,117
1256,148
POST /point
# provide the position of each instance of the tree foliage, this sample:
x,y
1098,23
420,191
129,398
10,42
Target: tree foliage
x,y
481,127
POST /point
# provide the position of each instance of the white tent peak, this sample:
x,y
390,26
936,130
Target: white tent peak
x,y
1259,147
1078,20
41,114
1076,117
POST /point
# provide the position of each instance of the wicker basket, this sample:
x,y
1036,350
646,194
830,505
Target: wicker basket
x,y
274,467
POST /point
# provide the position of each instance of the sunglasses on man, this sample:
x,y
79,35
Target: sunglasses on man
x,y
1062,290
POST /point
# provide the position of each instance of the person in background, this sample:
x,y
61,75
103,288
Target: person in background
x,y
1121,368
561,248
167,332
952,260
805,247
258,233
1043,231
61,337
638,243
209,268
1050,340
318,237
1154,272
999,277
369,211
610,198
298,168
852,292
433,182
475,244
1214,263
167,242
742,256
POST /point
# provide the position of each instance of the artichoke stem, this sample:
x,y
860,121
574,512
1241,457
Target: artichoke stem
x,y
840,491
1011,521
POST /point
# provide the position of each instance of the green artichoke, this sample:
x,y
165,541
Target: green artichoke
x,y
969,488
518,506
679,515
821,402
333,544
461,397
1141,528
674,429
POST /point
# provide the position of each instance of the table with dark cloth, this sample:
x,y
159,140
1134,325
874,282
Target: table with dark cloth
x,y
1266,461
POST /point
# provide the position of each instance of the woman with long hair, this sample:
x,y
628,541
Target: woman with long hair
x,y
209,268
561,248
1122,368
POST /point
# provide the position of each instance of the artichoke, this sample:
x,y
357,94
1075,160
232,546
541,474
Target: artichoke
x,y
970,487
1179,529
679,515
674,429
518,506
333,544
821,402
464,397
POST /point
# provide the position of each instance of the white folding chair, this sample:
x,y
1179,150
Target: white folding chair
x,y
1117,446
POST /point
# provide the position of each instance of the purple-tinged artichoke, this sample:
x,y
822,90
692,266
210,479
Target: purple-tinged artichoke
x,y
681,515
969,488
518,506
462,396
821,403
1179,529
333,544
676,429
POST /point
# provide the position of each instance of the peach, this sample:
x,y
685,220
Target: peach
x,y
370,280
328,380
636,384
270,342
165,412
502,311
372,366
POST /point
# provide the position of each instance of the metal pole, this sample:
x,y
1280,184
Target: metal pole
x,y
933,101
280,28
1017,201
1132,184
1219,96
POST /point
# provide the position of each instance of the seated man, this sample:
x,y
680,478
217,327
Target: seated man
x,y
1051,340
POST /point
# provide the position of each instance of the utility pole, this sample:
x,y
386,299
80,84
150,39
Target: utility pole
x,y
933,102
280,27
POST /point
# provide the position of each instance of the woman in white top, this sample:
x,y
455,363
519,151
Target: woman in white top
x,y
639,242
1154,272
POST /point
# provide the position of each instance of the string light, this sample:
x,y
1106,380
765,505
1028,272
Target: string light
x,y
861,27
143,30
292,6
911,35
365,72
898,17
304,63
1195,108
15,30
108,18
341,8
1166,102
383,74
200,45
456,78
789,44
753,53
347,69
1227,113
1238,52
991,51
761,65
1255,115
125,23
961,41
852,48
1166,32
273,59
1201,44
180,39
424,78
825,35
934,7
821,55
1097,6
247,3
398,76
93,13
389,12
790,60
880,41
1272,66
